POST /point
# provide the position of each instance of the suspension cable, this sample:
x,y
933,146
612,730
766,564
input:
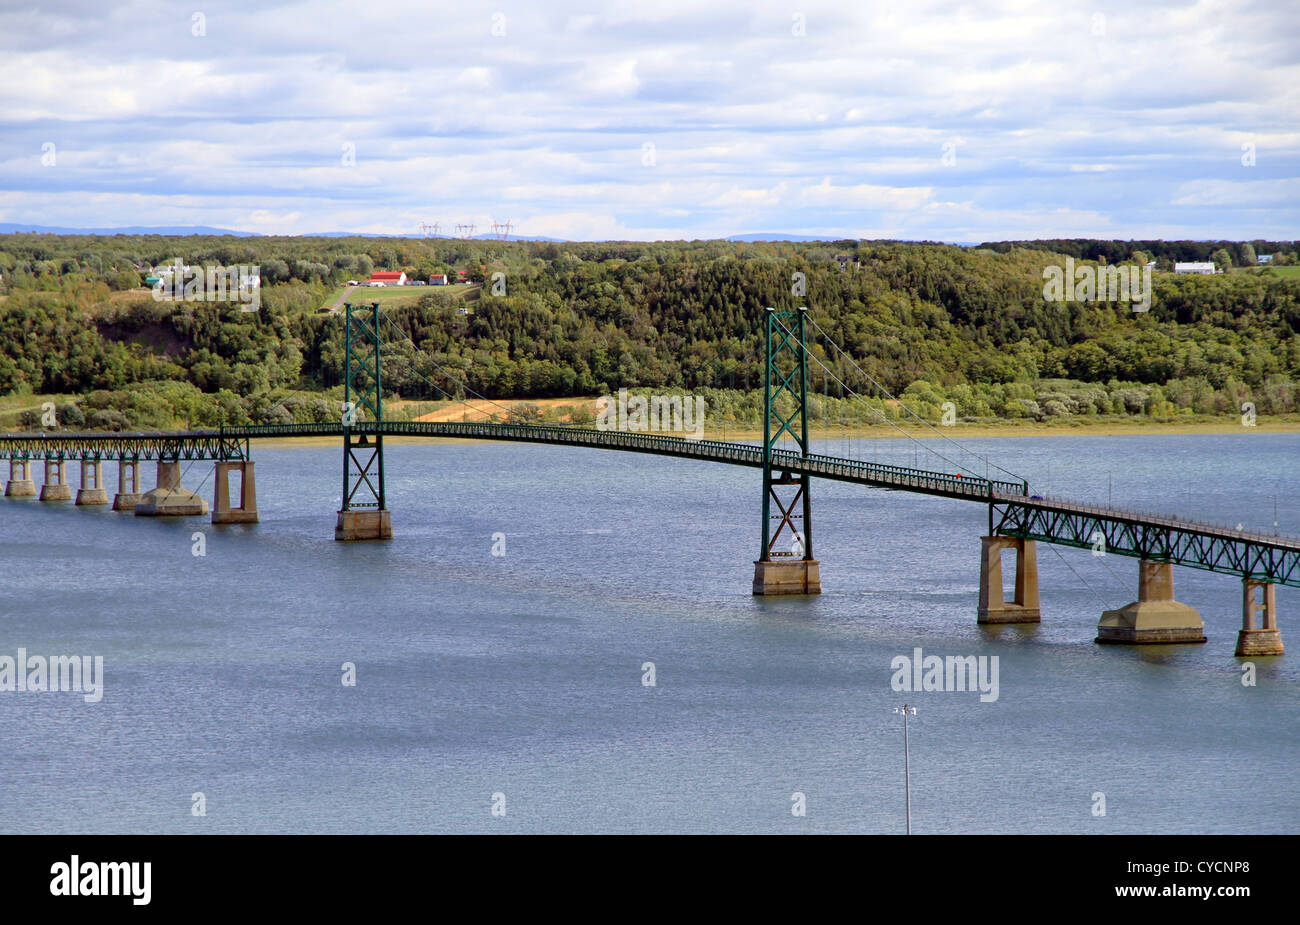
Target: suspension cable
x,y
423,354
883,418
1089,587
919,419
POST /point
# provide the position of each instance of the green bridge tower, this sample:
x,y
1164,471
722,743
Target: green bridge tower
x,y
366,518
786,564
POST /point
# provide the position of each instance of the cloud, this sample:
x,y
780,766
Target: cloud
x,y
1111,120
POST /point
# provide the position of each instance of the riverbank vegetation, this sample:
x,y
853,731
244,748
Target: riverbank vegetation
x,y
931,324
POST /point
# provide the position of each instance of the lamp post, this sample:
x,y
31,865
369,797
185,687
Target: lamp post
x,y
907,770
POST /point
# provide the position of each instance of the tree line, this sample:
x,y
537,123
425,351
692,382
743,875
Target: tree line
x,y
928,323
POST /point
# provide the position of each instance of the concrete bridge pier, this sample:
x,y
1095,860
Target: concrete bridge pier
x,y
994,607
20,484
1258,640
56,487
1155,617
246,512
787,576
363,525
128,474
92,483
169,499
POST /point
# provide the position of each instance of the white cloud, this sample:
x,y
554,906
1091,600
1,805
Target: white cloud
x,y
1059,127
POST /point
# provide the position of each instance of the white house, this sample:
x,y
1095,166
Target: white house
x,y
1264,258
1205,267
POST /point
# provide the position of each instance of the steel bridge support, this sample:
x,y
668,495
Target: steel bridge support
x,y
994,607
1253,639
363,457
56,487
1155,618
92,483
20,484
246,511
786,564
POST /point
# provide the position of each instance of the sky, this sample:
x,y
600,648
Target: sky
x,y
657,119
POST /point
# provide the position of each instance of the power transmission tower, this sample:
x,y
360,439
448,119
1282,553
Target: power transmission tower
x,y
502,229
465,231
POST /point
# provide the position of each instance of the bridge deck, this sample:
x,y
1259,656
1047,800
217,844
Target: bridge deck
x,y
1013,512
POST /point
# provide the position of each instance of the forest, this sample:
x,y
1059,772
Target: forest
x,y
926,323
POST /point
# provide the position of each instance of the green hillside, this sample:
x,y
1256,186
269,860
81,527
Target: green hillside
x,y
931,323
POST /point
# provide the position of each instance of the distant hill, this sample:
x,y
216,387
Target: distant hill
x,y
779,236
172,230
440,237
184,230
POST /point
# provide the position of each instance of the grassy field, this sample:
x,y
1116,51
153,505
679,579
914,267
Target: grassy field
x,y
1290,272
391,295
12,406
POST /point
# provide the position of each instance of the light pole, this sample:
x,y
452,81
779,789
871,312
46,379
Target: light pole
x,y
907,770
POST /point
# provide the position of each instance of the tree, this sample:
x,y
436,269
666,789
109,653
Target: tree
x,y
1222,260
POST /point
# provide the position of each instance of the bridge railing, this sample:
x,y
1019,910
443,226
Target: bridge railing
x,y
974,486
231,443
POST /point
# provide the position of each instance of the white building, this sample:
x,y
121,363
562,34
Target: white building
x,y
1206,267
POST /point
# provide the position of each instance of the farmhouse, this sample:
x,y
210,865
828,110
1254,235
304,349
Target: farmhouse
x,y
389,279
438,279
1205,267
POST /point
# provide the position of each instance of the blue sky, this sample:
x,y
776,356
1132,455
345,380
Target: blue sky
x,y
657,119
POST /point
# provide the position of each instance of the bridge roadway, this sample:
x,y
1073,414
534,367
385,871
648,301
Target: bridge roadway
x,y
1012,510
232,443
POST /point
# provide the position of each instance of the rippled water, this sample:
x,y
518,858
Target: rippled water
x,y
522,675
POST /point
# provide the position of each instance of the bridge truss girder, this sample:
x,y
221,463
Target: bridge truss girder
x,y
1190,546
215,445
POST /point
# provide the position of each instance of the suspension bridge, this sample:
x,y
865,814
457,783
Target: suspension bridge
x,y
1017,519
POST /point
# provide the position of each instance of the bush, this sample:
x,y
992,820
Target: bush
x,y
106,419
69,416
1026,408
275,414
524,412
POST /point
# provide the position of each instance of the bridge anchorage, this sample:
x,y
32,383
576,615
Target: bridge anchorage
x,y
1158,542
